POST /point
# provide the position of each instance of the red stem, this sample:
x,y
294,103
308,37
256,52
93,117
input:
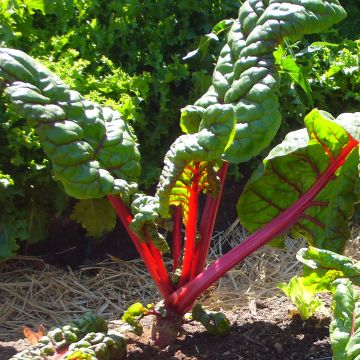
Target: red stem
x,y
190,229
207,225
177,238
141,247
181,300
160,266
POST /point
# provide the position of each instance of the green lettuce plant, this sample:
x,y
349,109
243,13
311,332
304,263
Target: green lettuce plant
x,y
302,186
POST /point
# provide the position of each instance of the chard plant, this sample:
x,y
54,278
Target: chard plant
x,y
307,185
328,272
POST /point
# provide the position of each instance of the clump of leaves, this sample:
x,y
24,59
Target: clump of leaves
x,y
326,271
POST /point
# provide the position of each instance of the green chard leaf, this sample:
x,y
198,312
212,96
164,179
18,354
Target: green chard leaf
x,y
215,323
215,134
323,156
238,116
92,149
145,210
133,315
324,266
345,328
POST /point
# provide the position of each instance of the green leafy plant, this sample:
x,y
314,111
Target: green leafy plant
x,y
86,43
85,338
301,187
306,303
344,329
327,271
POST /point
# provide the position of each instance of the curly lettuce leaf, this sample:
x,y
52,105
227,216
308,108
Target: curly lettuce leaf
x,y
325,155
92,149
302,296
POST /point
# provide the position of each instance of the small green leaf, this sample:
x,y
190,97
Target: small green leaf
x,y
145,210
5,181
302,296
96,215
203,47
35,5
132,316
328,266
215,323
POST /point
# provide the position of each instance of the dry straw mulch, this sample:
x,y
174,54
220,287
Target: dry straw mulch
x,y
33,293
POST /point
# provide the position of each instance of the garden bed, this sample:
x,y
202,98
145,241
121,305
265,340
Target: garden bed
x,y
263,322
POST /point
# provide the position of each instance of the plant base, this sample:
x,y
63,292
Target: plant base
x,y
166,329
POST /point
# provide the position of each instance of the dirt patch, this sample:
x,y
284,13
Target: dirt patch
x,y
267,331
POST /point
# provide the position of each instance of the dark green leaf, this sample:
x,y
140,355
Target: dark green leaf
x,y
294,167
215,323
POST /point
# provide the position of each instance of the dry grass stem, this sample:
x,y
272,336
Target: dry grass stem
x,y
33,293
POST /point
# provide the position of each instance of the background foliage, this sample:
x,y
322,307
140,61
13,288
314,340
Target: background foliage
x,y
126,54
129,55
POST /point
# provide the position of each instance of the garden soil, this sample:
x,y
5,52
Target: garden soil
x,y
268,331
264,323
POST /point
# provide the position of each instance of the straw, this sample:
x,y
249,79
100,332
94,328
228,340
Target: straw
x,y
33,292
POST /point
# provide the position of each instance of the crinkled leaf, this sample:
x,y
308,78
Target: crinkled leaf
x,y
345,328
243,88
202,175
79,355
132,315
245,75
145,210
92,149
302,296
97,216
215,323
216,132
306,160
327,266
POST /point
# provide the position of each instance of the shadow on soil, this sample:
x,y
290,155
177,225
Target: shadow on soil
x,y
297,340
6,352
